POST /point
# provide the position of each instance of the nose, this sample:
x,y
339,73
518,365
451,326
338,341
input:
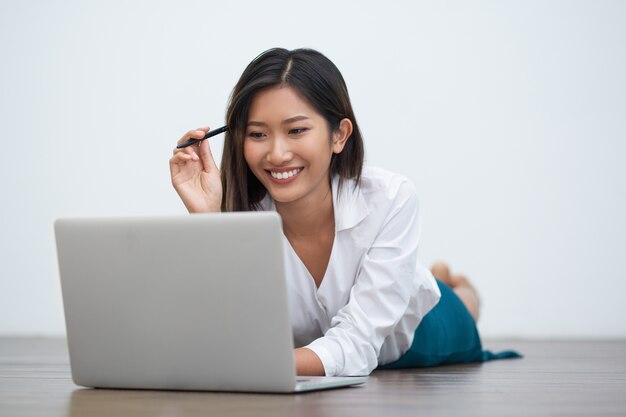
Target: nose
x,y
279,151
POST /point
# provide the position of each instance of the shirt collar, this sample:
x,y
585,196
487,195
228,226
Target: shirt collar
x,y
348,203
349,206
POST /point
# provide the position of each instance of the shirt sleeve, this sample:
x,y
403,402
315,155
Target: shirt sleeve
x,y
380,295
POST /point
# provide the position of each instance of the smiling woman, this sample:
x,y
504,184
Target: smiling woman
x,y
358,298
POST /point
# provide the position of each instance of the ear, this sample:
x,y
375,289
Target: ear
x,y
341,135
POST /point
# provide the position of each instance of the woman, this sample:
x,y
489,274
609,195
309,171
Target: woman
x,y
358,299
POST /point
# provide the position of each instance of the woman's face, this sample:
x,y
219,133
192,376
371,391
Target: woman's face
x,y
288,146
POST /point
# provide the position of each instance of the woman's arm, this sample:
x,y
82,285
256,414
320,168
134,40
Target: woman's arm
x,y
308,363
384,285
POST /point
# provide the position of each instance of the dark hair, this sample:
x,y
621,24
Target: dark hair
x,y
319,82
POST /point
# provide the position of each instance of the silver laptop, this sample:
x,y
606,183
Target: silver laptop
x,y
194,302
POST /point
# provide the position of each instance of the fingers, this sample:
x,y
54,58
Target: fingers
x,y
197,152
179,160
192,134
207,156
189,150
201,148
183,157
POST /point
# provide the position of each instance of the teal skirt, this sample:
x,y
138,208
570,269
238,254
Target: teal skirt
x,y
446,335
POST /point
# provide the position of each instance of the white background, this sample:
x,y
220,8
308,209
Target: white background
x,y
508,116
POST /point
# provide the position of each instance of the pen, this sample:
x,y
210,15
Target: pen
x,y
208,135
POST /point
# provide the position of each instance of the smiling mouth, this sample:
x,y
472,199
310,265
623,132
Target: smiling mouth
x,y
285,174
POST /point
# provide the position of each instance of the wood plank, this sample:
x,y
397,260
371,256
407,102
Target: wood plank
x,y
574,378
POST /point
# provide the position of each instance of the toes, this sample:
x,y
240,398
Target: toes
x,y
441,271
460,280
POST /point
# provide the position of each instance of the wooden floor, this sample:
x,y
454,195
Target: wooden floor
x,y
565,378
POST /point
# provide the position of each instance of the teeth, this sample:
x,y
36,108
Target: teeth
x,y
285,175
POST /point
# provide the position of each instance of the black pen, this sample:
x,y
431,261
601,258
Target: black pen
x,y
208,135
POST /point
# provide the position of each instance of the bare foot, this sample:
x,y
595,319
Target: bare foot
x,y
460,285
441,271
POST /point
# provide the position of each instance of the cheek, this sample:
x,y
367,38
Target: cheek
x,y
249,153
319,151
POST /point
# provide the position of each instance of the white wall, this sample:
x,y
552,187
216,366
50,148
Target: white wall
x,y
508,116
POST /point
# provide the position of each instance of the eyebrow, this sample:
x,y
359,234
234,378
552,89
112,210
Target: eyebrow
x,y
284,122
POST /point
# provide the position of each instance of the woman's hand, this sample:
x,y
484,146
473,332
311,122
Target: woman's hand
x,y
195,176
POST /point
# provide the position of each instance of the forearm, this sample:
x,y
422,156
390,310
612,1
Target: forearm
x,y
308,363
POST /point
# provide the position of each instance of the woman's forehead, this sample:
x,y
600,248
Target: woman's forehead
x,y
278,105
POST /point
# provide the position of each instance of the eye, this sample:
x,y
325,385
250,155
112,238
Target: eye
x,y
256,135
298,131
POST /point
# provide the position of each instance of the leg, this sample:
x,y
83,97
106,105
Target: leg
x,y
460,285
448,333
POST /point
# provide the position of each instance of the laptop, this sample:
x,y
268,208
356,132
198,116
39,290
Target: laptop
x,y
194,302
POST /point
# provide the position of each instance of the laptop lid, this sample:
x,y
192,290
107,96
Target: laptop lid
x,y
194,302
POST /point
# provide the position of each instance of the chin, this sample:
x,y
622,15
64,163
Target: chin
x,y
284,196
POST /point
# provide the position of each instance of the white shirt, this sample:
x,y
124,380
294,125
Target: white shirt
x,y
374,293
